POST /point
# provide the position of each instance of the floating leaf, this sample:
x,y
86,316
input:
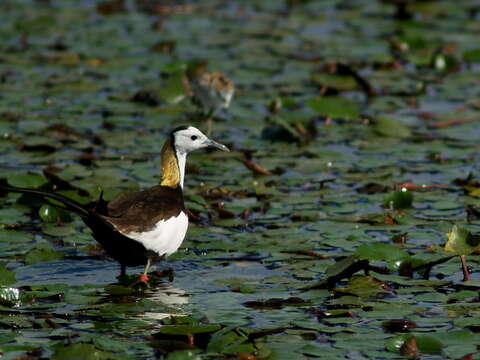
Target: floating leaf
x,y
188,329
363,286
336,107
381,251
28,180
80,352
173,90
426,344
42,253
7,276
472,56
390,127
337,82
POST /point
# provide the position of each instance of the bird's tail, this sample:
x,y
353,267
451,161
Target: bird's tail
x,y
68,204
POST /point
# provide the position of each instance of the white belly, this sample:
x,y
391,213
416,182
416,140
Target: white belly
x,y
166,237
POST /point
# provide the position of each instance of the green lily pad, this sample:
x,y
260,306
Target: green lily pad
x,y
79,352
42,253
381,251
173,90
472,56
7,277
188,329
391,127
27,180
336,107
363,286
426,344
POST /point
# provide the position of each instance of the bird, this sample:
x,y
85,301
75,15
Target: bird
x,y
139,227
210,91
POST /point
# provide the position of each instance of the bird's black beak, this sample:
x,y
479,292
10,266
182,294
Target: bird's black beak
x,y
215,145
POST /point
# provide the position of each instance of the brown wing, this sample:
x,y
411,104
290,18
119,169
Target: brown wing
x,y
139,211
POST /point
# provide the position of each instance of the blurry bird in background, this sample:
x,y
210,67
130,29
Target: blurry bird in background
x,y
210,91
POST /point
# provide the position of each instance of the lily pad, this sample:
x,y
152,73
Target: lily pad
x,y
27,180
42,253
391,127
381,251
7,277
79,351
336,107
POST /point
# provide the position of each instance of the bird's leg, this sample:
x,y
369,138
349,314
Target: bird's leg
x,y
144,276
123,272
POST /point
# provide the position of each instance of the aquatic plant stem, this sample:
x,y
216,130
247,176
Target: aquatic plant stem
x,y
466,274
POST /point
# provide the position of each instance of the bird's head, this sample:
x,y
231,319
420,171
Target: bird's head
x,y
188,138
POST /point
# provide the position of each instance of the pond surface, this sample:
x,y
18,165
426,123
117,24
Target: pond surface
x,y
354,136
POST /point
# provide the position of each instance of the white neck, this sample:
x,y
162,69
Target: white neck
x,y
182,160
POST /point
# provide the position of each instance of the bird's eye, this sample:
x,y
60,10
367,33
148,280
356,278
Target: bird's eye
x,y
194,137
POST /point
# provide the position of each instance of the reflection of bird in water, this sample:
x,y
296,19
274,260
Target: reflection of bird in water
x,y
167,295
138,227
210,91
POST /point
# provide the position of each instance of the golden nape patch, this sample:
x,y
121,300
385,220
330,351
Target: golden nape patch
x,y
170,170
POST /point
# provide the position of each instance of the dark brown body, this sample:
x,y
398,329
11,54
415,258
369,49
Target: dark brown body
x,y
136,211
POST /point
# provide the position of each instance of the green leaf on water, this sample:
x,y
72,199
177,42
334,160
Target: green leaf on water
x,y
390,127
338,82
80,352
42,253
27,180
461,241
188,329
173,90
340,266
226,338
426,344
336,107
7,276
472,56
381,251
363,286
